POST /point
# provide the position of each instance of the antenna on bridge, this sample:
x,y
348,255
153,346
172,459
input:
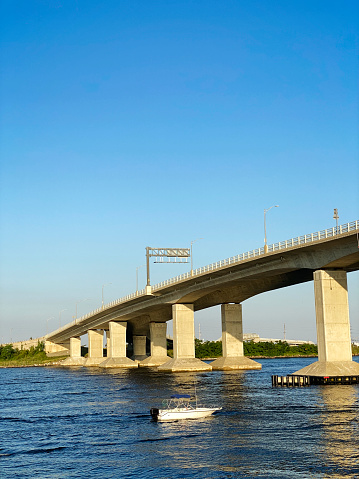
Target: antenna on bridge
x,y
169,253
284,332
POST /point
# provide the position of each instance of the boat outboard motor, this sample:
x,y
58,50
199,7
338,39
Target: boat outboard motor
x,y
154,413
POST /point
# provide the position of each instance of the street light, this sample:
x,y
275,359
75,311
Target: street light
x,y
137,268
60,315
102,291
336,217
192,242
47,325
265,227
78,302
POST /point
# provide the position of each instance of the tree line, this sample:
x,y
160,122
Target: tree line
x,y
8,352
213,349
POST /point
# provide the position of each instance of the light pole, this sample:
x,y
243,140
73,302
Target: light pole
x,y
137,268
265,227
192,242
78,302
336,217
60,316
47,325
102,291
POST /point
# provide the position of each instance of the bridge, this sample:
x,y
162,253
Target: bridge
x,y
324,256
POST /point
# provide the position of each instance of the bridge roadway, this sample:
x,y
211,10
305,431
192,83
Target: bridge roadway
x,y
227,283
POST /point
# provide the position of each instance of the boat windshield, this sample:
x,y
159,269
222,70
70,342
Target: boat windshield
x,y
177,402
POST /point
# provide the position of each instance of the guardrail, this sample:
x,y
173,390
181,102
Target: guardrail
x,y
297,241
309,238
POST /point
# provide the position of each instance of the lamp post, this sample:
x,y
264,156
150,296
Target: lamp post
x,y
60,316
47,325
137,268
336,217
78,302
265,227
192,242
102,292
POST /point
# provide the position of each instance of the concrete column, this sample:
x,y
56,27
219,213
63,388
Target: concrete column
x,y
232,341
158,335
183,342
332,316
108,343
116,356
139,348
183,331
75,347
95,354
75,358
333,327
232,330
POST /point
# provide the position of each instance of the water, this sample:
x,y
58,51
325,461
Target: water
x,y
89,423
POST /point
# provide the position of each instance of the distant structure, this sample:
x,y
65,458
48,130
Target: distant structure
x,y
256,339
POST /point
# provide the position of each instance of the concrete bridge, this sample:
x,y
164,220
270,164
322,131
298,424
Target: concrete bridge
x,y
325,256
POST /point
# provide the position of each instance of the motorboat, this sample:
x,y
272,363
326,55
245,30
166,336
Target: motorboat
x,y
179,407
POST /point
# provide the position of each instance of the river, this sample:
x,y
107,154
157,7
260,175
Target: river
x,y
58,423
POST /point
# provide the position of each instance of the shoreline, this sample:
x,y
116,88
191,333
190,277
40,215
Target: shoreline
x,y
59,363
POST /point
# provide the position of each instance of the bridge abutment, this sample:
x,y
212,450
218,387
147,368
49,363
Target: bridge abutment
x,y
232,341
333,326
183,342
56,349
116,347
158,335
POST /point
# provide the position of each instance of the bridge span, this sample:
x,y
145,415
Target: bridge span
x,y
325,256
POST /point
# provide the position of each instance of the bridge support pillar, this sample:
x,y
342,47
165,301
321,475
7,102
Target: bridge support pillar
x,y
95,353
333,327
139,348
116,348
158,335
75,358
232,341
183,342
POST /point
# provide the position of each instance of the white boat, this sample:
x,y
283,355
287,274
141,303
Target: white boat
x,y
179,407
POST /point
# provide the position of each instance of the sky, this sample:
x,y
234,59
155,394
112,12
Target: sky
x,y
130,123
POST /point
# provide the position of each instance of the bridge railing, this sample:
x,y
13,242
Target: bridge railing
x,y
297,241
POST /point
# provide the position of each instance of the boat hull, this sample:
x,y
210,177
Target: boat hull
x,y
166,415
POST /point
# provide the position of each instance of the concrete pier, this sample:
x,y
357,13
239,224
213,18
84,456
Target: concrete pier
x,y
116,353
232,341
333,327
95,353
158,335
183,342
139,348
75,358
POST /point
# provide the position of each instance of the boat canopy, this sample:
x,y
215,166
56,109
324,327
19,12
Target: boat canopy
x,y
180,396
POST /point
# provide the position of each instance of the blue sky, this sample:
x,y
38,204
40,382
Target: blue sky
x,y
127,124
